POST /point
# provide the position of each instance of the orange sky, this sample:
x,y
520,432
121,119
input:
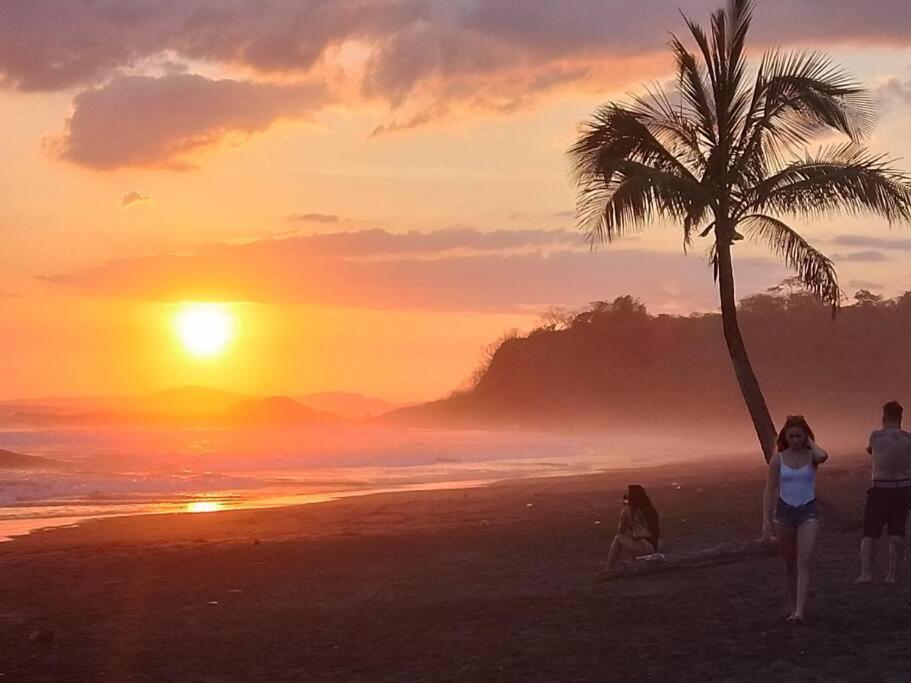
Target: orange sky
x,y
212,152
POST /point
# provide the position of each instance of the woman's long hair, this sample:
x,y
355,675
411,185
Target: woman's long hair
x,y
639,500
790,422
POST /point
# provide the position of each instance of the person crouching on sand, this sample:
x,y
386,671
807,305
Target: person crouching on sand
x,y
638,531
792,474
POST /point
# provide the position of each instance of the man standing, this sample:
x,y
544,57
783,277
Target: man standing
x,y
889,499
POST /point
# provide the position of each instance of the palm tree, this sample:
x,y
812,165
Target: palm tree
x,y
725,156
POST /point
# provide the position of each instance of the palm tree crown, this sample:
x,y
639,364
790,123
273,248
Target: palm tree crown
x,y
726,155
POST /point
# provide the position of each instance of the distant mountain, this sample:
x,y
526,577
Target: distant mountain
x,y
184,406
348,405
276,410
188,400
614,365
17,461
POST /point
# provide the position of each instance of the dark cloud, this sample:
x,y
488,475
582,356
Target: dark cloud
x,y
872,242
870,255
313,218
58,44
429,59
160,122
344,270
134,198
493,54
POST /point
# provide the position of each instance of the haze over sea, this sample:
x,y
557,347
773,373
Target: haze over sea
x,y
117,471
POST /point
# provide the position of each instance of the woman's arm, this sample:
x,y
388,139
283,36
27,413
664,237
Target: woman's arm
x,y
771,490
817,454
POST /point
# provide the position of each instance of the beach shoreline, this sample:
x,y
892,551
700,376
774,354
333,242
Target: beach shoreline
x,y
498,581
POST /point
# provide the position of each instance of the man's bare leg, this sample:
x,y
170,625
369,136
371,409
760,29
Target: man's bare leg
x,y
896,555
867,549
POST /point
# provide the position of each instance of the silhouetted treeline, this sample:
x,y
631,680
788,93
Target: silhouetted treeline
x,y
613,365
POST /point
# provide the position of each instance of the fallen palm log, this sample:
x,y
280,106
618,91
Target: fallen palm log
x,y
724,553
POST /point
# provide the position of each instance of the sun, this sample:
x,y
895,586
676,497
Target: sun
x,y
204,329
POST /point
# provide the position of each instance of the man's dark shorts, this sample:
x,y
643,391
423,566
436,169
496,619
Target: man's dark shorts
x,y
886,507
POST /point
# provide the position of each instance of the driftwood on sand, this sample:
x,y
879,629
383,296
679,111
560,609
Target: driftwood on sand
x,y
725,553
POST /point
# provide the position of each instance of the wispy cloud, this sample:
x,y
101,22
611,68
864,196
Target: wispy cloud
x,y
323,218
894,91
865,284
873,242
468,271
869,255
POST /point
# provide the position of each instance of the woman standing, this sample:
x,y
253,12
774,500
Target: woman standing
x,y
792,475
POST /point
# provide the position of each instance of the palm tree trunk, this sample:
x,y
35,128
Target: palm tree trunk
x,y
743,369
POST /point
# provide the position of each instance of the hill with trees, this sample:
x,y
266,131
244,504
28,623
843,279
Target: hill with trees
x,y
614,365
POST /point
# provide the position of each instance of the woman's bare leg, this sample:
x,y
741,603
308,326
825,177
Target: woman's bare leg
x,y
806,546
787,544
627,546
614,555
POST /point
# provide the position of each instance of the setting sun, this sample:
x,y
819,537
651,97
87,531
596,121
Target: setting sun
x,y
204,329
204,506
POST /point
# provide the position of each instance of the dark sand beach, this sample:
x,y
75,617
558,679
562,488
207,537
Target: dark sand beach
x,y
497,583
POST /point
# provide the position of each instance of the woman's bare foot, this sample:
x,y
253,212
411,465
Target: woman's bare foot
x,y
891,578
863,578
795,618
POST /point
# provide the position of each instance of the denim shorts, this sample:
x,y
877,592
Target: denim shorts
x,y
788,515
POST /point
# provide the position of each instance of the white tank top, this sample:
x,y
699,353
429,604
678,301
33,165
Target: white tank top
x,y
797,486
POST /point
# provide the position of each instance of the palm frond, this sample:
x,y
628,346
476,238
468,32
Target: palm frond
x,y
796,96
675,131
815,271
696,94
630,195
841,179
616,133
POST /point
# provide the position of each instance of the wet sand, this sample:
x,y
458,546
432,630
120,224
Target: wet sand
x,y
496,583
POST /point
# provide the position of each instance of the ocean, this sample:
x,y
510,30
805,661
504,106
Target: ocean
x,y
117,471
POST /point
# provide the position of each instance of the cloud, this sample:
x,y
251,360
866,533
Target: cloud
x,y
313,218
134,198
870,255
428,58
58,44
460,270
865,284
893,91
162,122
378,242
873,242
